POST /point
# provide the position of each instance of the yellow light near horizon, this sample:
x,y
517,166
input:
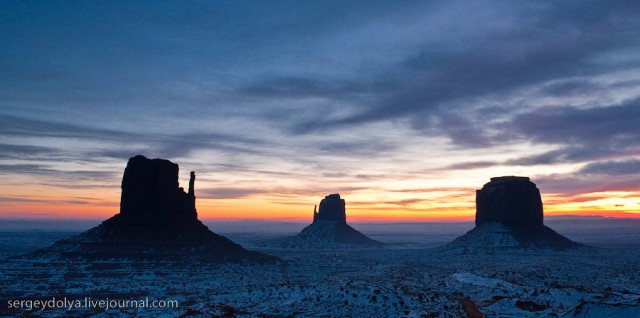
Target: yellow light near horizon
x,y
408,201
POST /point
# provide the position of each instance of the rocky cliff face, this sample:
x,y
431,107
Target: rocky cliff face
x,y
150,190
509,214
511,201
157,222
332,208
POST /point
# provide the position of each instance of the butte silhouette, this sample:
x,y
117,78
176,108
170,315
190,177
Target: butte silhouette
x,y
157,221
329,230
509,214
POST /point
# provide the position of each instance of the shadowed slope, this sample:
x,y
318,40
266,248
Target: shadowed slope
x,y
116,238
497,235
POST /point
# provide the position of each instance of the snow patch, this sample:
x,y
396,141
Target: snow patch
x,y
468,278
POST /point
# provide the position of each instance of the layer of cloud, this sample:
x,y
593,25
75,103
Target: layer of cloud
x,y
227,193
612,168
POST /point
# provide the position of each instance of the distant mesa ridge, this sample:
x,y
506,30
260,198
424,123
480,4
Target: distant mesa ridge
x,y
157,221
509,213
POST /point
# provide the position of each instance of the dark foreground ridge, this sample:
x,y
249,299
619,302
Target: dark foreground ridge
x,y
509,214
157,222
329,230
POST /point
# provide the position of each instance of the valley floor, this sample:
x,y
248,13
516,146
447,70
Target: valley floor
x,y
409,281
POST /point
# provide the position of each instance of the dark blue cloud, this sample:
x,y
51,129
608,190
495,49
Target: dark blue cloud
x,y
613,168
21,152
614,125
27,127
595,133
550,41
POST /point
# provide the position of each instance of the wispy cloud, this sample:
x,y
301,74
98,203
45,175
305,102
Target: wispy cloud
x,y
612,168
227,193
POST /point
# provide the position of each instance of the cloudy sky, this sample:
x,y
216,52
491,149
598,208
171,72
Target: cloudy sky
x,y
404,108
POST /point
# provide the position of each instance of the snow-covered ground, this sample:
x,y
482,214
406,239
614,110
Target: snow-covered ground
x,y
403,281
381,283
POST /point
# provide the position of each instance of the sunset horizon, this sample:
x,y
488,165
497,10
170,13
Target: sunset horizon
x,y
259,207
454,203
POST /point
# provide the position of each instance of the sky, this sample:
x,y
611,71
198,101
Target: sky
x,y
405,108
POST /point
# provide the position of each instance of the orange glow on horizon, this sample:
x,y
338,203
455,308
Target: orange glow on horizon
x,y
238,209
420,205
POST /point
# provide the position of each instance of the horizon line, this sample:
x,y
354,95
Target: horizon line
x,y
307,220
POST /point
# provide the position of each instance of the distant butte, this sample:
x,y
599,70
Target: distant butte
x,y
329,230
157,221
509,213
